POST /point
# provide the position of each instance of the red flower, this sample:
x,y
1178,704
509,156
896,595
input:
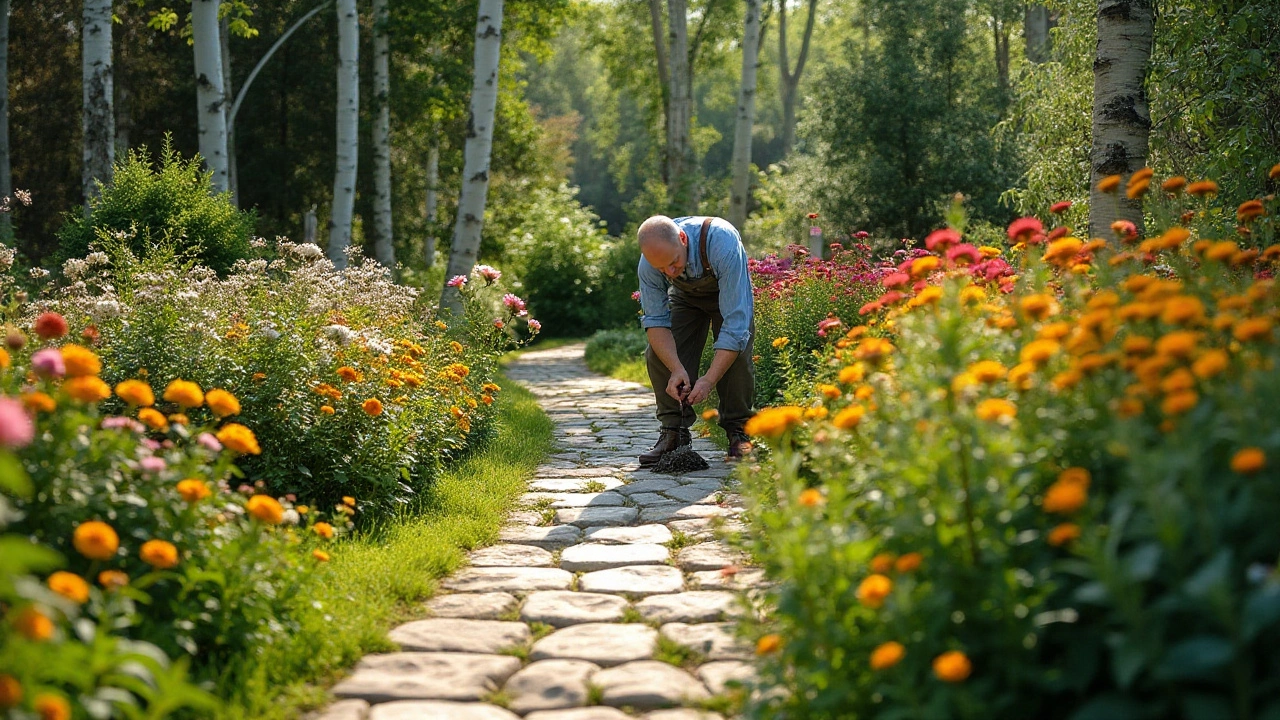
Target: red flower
x,y
941,239
964,254
1060,231
1060,207
1026,229
813,216
893,280
1126,230
50,326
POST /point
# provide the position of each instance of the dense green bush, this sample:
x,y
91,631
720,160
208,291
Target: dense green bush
x,y
173,203
608,350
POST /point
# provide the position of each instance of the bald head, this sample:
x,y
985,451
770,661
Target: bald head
x,y
664,245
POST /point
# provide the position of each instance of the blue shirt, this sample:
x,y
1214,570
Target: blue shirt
x,y
728,262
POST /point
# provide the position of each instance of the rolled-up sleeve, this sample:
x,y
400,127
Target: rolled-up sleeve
x,y
653,297
729,261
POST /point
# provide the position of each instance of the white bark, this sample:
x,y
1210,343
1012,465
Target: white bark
x,y
228,94
344,177
6,170
99,118
465,250
1035,30
790,80
740,195
433,201
383,248
1121,117
210,95
679,108
309,225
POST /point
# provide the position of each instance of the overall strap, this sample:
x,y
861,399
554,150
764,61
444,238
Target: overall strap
x,y
702,247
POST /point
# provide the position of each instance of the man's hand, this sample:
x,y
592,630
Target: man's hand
x,y
701,391
678,385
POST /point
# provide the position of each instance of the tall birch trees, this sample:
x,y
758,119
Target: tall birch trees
x,y
465,249
211,97
384,251
99,119
348,116
432,201
1121,116
680,159
790,79
6,165
740,194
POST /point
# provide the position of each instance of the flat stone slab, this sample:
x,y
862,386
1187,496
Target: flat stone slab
x,y
694,606
648,684
714,640
479,606
718,580
707,556
655,534
634,580
661,512
572,484
719,674
651,485
589,516
561,608
553,537
605,644
588,713
458,635
698,494
646,499
517,580
511,556
681,714
437,710
344,710
426,676
602,499
550,685
588,557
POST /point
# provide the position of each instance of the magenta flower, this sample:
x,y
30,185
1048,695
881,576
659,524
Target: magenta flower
x,y
828,324
941,239
48,363
535,327
515,305
636,296
457,281
16,428
964,254
489,273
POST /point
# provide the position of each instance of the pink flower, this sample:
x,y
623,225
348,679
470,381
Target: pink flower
x,y
1060,231
153,464
490,274
535,327
150,444
897,279
830,323
119,422
16,428
515,305
941,239
48,363
964,254
1026,229
209,442
457,281
636,296
861,235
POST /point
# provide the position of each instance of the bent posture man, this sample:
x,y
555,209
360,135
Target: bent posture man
x,y
693,275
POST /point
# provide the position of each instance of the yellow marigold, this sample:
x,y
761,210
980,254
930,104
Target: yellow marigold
x,y
988,371
881,563
193,490
350,374
1129,407
1054,331
1039,352
872,349
326,409
112,579
33,624
1065,497
159,554
1201,188
348,501
323,529
1038,306
458,369
849,418
952,667
70,586
265,508
1178,381
962,381
924,265
372,407
910,562
864,392
52,707
95,540
1063,251
135,393
80,361
10,691
810,497
928,296
816,413
184,393
1248,461
87,389
1178,344
769,644
851,374
1251,329
887,655
222,403
320,555
996,410
490,387
874,589
773,422
1063,534
38,402
1109,184
989,251
1021,375
829,392
1076,475
455,346
1210,364
1179,402
1137,189
239,438
710,414
179,419
153,419
780,342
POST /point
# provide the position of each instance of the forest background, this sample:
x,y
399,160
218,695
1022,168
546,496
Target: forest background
x,y
872,115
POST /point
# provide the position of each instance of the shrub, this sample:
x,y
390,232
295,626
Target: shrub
x,y
1038,491
609,350
171,203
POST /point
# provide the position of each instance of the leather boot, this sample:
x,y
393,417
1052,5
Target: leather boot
x,y
668,440
739,445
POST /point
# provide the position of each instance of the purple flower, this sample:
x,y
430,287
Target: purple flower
x,y
515,305
457,281
16,428
153,464
209,442
48,363
490,274
535,327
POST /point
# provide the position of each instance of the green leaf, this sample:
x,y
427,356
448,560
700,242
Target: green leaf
x,y
1127,660
1194,657
1261,610
1110,707
13,477
1143,562
1212,575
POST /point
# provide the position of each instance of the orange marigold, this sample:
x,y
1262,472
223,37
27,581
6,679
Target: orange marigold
x,y
320,555
1039,352
851,374
33,624
987,371
112,579
1178,344
769,644
222,403
350,374
70,586
10,691
239,438
1179,402
1251,329
1065,497
1063,534
159,554
1174,184
326,409
38,402
996,410
887,655
773,422
850,417
193,490
1201,188
323,529
184,393
153,419
135,393
87,389
873,590
1210,364
881,563
1038,306
1109,183
52,707
909,562
372,407
952,667
265,508
95,540
1249,460
80,361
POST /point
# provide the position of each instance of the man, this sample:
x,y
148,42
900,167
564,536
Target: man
x,y
693,275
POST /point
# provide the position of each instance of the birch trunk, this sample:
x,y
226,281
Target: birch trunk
x,y
740,195
344,177
1035,31
664,73
433,201
1121,117
790,80
6,168
228,95
384,250
210,94
465,249
679,160
99,118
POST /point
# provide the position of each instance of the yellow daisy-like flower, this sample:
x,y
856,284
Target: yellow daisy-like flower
x,y
222,403
87,389
265,508
70,586
996,410
239,438
184,393
193,490
80,361
952,667
153,419
775,421
159,554
887,655
136,393
95,540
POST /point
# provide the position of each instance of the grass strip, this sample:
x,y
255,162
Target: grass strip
x,y
380,577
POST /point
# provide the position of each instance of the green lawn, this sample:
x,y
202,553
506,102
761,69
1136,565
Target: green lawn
x,y
382,576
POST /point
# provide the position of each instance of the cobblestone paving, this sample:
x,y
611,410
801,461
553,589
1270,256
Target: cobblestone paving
x,y
604,578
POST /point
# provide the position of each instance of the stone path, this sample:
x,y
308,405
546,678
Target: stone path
x,y
610,595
